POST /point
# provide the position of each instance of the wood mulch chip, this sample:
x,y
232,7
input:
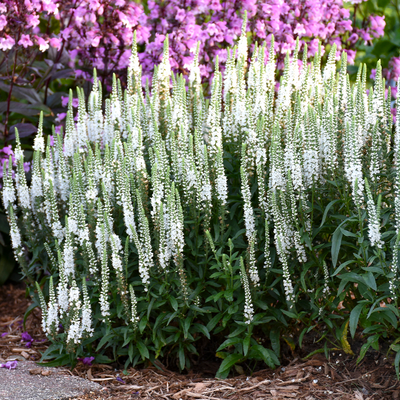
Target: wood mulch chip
x,y
314,379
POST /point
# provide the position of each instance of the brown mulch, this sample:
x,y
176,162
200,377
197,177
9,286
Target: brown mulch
x,y
314,379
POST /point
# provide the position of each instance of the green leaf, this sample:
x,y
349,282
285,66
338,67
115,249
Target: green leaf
x,y
144,352
201,328
370,280
290,314
186,326
348,233
354,316
229,342
58,362
364,348
28,312
237,331
267,355
104,340
246,344
336,243
229,361
326,211
181,354
102,359
396,364
142,324
174,303
214,321
275,337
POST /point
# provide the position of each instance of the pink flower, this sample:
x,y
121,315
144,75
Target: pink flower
x,y
55,42
65,100
180,15
94,5
43,44
300,31
61,116
96,41
351,55
377,25
6,43
3,22
9,364
87,361
7,150
33,20
25,41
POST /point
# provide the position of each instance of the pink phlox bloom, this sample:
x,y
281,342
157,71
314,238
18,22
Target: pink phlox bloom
x,y
27,166
55,42
43,44
33,20
180,15
3,8
365,36
299,30
373,73
93,38
65,100
7,150
26,337
215,5
87,360
377,25
94,5
66,33
25,41
114,39
9,365
351,55
274,25
345,13
124,19
344,26
353,38
50,6
3,22
6,43
4,334
61,116
120,3
394,65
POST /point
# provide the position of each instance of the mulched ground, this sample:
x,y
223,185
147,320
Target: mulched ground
x,y
316,378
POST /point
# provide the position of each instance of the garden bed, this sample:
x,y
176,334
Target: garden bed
x,y
315,378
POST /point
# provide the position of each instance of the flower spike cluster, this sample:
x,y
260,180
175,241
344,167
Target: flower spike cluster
x,y
152,164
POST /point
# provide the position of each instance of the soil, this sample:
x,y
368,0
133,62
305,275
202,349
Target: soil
x,y
312,379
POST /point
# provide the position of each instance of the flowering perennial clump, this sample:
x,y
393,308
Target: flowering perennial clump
x,y
166,215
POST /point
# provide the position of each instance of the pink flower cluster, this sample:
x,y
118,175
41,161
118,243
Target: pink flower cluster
x,y
101,33
19,22
98,33
217,24
5,154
